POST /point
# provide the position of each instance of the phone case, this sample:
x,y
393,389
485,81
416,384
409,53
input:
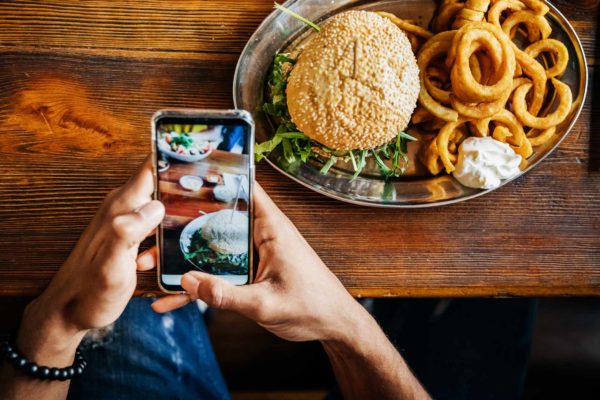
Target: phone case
x,y
205,114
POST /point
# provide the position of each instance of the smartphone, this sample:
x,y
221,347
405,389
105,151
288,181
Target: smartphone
x,y
204,172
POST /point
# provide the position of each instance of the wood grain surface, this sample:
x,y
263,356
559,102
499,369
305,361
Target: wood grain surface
x,y
79,82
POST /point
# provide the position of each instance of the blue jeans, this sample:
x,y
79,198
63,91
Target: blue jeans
x,y
459,349
151,356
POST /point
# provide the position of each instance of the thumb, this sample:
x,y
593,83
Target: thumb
x,y
131,229
218,293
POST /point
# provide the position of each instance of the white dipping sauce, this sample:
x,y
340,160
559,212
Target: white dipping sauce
x,y
484,161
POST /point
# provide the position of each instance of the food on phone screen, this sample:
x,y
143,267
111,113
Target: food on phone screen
x,y
163,165
189,143
186,145
225,232
190,182
221,242
224,193
213,178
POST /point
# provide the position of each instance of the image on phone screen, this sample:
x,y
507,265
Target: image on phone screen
x,y
203,168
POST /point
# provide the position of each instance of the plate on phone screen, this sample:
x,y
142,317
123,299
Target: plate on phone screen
x,y
229,260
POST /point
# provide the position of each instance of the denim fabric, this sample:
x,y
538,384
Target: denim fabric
x,y
151,356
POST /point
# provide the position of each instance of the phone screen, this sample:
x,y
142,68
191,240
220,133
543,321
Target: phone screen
x,y
204,176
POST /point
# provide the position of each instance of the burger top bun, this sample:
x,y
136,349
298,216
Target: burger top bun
x,y
356,84
226,232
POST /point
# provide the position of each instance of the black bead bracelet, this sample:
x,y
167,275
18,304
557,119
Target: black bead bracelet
x,y
12,355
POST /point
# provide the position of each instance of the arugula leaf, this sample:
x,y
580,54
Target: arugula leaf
x,y
403,145
386,151
353,160
297,16
293,135
406,136
264,148
384,169
304,150
332,160
397,152
288,152
277,83
396,161
282,58
362,163
273,110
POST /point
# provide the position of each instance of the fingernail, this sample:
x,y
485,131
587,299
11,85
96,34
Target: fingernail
x,y
153,211
189,282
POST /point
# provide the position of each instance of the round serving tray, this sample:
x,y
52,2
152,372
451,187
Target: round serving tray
x,y
415,189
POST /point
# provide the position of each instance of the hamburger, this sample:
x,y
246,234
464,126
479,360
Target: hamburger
x,y
348,92
226,232
220,246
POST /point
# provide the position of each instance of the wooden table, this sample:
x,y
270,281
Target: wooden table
x,y
79,82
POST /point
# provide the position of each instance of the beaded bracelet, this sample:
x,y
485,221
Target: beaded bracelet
x,y
12,355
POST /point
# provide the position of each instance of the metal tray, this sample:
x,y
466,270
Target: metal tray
x,y
415,189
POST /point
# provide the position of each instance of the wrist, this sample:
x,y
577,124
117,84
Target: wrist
x,y
45,338
352,328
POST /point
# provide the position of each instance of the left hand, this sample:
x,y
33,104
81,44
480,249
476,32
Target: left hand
x,y
96,282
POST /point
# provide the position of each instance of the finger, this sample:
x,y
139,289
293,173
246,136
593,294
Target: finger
x,y
141,183
170,303
269,219
263,204
218,293
147,260
130,229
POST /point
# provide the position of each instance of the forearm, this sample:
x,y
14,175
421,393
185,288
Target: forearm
x,y
367,366
42,338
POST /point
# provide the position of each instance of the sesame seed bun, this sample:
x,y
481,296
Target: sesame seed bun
x,y
226,232
355,85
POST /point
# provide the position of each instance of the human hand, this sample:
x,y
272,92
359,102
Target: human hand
x,y
294,295
97,280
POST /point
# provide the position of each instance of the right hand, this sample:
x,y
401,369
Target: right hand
x,y
294,294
